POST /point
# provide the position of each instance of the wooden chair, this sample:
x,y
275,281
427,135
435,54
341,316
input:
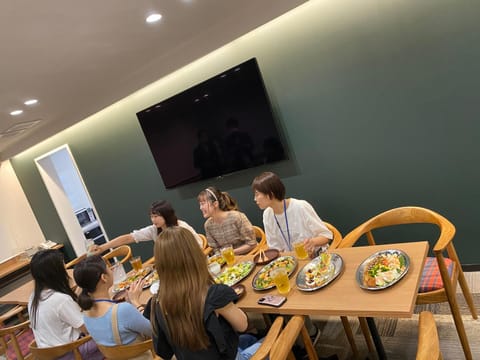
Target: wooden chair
x,y
16,310
428,341
75,261
16,335
125,352
123,252
261,240
264,350
447,270
206,249
48,353
282,347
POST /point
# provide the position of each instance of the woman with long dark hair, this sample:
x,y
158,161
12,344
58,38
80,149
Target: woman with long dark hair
x,y
55,316
225,225
162,216
101,314
192,317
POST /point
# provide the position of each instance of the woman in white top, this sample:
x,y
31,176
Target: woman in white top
x,y
55,316
162,216
288,220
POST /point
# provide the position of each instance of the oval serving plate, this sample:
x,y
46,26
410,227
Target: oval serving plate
x,y
313,276
262,279
131,278
234,274
382,269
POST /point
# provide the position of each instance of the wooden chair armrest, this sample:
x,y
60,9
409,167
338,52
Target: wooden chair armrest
x,y
264,350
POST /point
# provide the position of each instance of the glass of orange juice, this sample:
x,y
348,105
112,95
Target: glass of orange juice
x,y
300,251
228,254
136,263
280,278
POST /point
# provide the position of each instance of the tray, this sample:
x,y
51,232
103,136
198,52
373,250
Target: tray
x,y
262,280
396,264
234,274
320,278
269,255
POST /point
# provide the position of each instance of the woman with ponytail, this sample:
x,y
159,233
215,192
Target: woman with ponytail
x,y
56,318
225,225
95,279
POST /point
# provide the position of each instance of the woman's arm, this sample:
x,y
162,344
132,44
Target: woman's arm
x,y
118,241
236,317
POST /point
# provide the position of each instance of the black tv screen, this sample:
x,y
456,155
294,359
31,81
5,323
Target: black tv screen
x,y
220,126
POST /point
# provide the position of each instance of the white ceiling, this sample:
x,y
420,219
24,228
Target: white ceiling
x,y
77,57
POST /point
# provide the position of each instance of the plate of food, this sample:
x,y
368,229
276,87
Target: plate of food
x,y
131,278
234,274
382,269
319,272
265,256
218,258
149,279
263,280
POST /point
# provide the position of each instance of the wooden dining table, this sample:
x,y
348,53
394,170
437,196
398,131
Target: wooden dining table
x,y
344,296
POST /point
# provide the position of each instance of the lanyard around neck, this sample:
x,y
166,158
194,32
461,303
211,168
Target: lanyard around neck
x,y
105,300
288,242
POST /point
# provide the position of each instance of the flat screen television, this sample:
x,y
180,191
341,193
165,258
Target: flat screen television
x,y
220,126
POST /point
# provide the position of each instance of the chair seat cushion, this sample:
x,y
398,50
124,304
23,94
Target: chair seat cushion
x,y
431,278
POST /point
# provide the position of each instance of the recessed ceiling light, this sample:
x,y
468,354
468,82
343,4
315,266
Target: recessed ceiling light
x,y
31,102
153,18
16,112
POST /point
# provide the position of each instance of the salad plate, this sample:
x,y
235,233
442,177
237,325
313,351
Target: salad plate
x,y
319,272
263,280
234,274
382,269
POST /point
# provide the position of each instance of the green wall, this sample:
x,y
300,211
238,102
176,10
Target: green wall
x,y
377,102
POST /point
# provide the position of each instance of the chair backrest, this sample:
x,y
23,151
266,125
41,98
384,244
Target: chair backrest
x,y
123,252
261,240
282,347
204,241
125,352
428,342
48,353
264,350
399,216
75,261
337,236
10,336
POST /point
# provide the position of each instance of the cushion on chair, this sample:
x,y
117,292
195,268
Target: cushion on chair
x,y
24,341
431,278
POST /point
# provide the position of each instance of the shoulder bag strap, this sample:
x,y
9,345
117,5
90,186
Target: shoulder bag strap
x,y
116,334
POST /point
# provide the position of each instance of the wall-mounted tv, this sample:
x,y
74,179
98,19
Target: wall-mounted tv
x,y
220,126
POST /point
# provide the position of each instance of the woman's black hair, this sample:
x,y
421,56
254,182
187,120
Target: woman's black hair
x,y
164,209
87,274
48,271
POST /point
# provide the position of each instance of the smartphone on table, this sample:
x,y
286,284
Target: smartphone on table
x,y
272,300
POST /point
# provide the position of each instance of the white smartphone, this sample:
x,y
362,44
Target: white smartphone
x,y
272,300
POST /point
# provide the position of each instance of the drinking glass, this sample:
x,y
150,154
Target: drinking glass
x,y
119,273
229,255
280,278
300,251
136,263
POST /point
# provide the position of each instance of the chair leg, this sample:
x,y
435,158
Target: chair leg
x,y
467,294
348,332
366,334
311,352
457,318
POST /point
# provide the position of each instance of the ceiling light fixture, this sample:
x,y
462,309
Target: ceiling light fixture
x,y
16,112
153,18
31,102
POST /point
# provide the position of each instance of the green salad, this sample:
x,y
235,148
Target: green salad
x,y
232,275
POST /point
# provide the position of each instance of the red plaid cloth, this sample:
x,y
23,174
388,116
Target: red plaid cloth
x,y
431,278
23,341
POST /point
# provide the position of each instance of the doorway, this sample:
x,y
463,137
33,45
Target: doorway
x,y
71,199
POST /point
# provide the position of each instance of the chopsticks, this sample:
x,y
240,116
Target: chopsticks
x,y
261,255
